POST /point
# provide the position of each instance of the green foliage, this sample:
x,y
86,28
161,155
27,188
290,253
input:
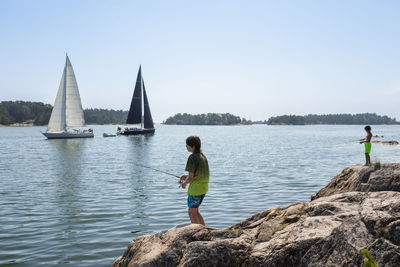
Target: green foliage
x,y
259,122
287,120
205,119
105,116
364,119
369,260
21,111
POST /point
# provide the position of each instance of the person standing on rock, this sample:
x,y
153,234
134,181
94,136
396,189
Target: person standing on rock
x,y
198,177
367,145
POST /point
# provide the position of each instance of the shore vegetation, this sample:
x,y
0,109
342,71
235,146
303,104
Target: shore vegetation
x,y
347,119
206,119
38,114
25,113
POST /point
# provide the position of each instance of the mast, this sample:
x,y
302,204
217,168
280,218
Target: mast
x,y
135,111
148,120
141,102
74,110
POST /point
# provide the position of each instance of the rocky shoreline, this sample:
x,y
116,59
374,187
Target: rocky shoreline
x,y
21,124
358,209
392,142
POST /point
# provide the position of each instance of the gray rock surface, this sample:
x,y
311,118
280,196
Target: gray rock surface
x,y
385,177
359,208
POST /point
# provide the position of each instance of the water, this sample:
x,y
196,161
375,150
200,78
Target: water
x,y
80,202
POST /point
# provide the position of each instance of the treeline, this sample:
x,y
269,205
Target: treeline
x,y
39,114
205,119
363,118
21,111
105,116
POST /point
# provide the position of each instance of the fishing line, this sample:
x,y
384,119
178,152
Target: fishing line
x,y
157,170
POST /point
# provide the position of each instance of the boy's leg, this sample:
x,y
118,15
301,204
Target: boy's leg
x,y
367,159
200,218
193,215
191,210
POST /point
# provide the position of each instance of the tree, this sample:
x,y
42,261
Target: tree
x,y
363,118
205,119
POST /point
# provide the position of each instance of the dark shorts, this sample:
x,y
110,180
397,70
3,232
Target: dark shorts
x,y
195,201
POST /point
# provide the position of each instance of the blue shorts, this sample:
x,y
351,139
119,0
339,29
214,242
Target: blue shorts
x,y
195,201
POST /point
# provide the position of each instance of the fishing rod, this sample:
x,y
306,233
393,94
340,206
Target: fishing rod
x,y
352,141
157,170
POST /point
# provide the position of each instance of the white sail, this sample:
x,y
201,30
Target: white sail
x,y
74,111
58,114
67,110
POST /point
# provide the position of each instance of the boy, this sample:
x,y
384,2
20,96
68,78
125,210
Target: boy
x,y
199,174
367,145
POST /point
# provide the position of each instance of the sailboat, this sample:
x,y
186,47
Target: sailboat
x,y
67,111
138,104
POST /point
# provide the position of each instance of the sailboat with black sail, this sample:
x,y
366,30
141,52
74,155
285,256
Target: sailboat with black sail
x,y
139,103
67,111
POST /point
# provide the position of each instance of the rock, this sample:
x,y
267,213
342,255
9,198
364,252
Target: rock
x,y
20,124
392,142
385,177
358,209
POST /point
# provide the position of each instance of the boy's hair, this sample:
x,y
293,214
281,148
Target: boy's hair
x,y
194,141
367,128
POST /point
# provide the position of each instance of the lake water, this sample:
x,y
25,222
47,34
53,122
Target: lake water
x,y
80,202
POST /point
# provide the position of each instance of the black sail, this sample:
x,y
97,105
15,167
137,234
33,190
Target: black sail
x,y
148,120
135,112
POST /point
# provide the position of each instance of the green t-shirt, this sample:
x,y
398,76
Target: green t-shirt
x,y
198,164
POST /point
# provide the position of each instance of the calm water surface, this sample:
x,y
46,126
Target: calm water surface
x,y
80,202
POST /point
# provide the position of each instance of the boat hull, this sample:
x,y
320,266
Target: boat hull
x,y
109,135
65,135
137,131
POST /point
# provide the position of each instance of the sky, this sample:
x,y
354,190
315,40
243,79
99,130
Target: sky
x,y
254,59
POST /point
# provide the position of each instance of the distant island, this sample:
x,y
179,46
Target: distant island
x,y
24,113
21,113
363,118
206,119
105,116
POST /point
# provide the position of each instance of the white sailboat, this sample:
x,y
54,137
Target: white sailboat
x,y
67,111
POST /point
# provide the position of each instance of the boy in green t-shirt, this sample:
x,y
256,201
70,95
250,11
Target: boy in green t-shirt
x,y
198,177
367,144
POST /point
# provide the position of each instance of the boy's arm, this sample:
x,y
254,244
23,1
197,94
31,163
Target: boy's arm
x,y
368,139
188,179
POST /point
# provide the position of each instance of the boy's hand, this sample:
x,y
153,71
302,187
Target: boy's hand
x,y
183,179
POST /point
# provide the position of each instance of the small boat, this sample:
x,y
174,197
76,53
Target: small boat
x,y
109,135
67,111
135,111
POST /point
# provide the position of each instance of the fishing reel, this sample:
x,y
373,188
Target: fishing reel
x,y
180,182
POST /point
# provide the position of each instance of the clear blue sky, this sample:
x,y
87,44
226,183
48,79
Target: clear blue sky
x,y
255,59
